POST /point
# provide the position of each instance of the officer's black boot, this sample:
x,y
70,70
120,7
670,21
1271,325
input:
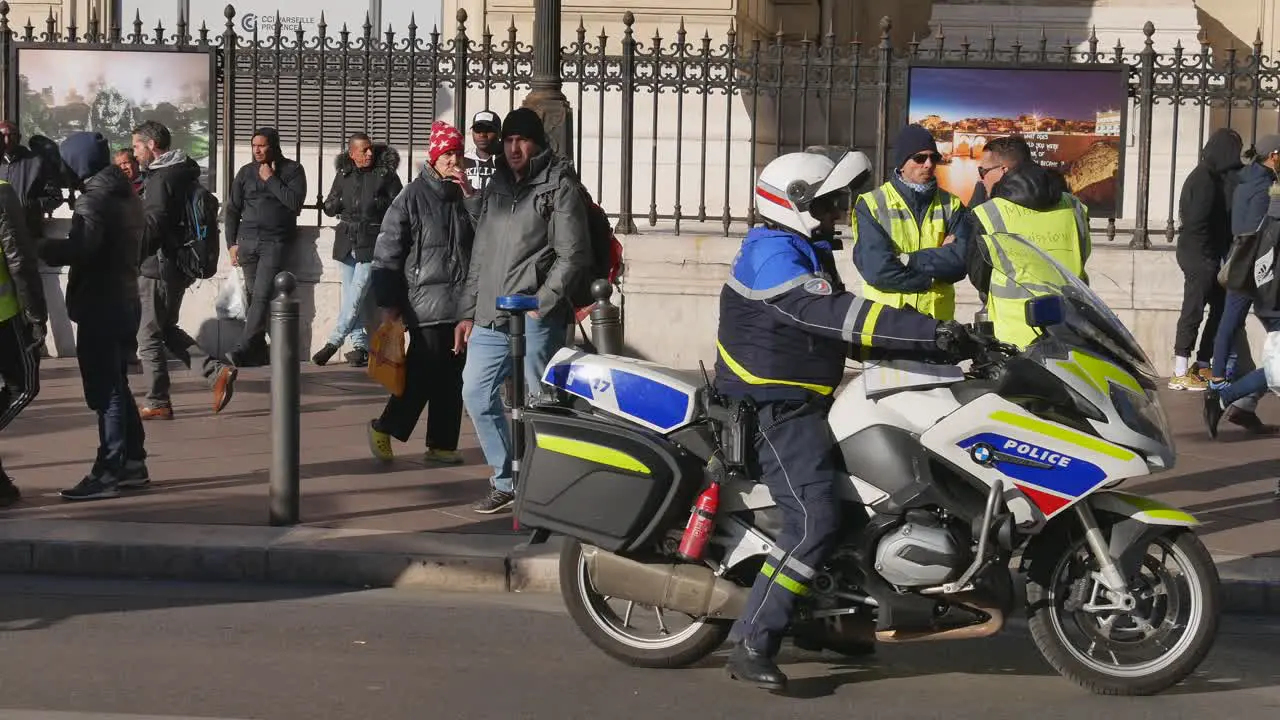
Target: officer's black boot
x,y
756,668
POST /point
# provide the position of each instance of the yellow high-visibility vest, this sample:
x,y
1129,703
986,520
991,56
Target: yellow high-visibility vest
x,y
893,214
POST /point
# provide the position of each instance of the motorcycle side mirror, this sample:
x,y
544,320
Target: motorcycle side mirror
x,y
1045,310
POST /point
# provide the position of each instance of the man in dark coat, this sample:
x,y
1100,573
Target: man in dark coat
x,y
168,180
419,277
1205,210
363,188
34,177
102,251
266,198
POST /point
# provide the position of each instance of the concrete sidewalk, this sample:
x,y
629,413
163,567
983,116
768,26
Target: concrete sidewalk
x,y
365,523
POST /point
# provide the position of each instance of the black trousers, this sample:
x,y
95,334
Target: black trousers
x,y
794,449
433,375
19,368
261,261
1201,289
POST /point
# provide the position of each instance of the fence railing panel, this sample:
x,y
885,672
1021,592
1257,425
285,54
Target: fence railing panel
x,y
670,131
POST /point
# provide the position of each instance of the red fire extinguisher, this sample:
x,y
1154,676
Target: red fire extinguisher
x,y
701,519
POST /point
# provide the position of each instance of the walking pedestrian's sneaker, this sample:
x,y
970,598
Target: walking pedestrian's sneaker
x,y
155,413
223,388
380,444
325,354
94,487
444,457
135,477
358,358
495,501
9,493
1249,421
1192,381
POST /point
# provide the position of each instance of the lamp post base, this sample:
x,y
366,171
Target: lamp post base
x,y
557,119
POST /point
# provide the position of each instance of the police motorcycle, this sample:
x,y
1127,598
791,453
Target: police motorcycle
x,y
952,474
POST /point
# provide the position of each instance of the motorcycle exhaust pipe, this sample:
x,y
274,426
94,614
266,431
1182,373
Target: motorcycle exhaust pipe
x,y
680,587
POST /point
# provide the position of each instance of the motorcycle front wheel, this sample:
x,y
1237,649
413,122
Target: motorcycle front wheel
x,y
639,635
1139,652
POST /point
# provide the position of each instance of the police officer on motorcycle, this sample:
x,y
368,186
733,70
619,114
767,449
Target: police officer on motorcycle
x,y
786,327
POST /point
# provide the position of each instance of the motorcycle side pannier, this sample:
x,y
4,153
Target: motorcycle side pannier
x,y
611,485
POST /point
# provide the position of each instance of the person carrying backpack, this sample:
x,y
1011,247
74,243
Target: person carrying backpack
x,y
533,237
176,248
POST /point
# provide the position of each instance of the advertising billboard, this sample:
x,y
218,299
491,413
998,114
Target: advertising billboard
x,y
1073,119
64,90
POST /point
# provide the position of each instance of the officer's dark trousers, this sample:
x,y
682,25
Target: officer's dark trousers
x,y
795,452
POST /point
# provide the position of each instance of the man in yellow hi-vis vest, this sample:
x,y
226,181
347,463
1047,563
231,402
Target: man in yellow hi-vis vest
x,y
1027,203
907,215
23,315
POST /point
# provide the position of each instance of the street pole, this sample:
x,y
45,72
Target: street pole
x,y
285,402
546,95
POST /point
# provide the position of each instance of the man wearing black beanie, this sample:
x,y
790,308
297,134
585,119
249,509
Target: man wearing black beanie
x,y
902,217
102,251
532,238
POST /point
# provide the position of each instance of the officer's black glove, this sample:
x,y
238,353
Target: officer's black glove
x,y
37,332
955,340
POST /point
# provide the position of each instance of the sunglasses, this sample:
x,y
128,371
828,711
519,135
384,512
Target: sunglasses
x,y
920,158
982,171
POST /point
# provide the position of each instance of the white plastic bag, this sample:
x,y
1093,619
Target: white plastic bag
x,y
230,303
1271,361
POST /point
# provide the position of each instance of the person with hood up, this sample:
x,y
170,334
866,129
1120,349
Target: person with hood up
x,y
168,178
102,251
1204,209
906,215
33,176
1232,357
420,269
363,188
266,198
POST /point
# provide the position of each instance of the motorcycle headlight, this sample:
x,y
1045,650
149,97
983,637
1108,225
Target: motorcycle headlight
x,y
1141,413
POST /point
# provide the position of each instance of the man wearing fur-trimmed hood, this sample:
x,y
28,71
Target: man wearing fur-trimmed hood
x,y
364,185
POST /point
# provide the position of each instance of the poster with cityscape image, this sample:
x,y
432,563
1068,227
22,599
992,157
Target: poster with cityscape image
x,y
66,90
1073,119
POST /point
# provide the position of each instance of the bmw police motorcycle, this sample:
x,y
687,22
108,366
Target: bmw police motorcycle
x,y
959,481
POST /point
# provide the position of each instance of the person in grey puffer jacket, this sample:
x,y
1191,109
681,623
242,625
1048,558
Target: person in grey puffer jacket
x,y
532,238
420,263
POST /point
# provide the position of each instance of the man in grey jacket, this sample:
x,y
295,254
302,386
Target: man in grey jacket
x,y
531,238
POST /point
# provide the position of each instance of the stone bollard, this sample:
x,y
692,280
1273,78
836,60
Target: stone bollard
x,y
606,320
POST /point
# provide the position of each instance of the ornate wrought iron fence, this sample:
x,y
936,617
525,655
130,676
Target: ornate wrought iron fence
x,y
668,130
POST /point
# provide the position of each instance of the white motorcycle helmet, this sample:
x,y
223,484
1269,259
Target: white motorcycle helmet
x,y
788,186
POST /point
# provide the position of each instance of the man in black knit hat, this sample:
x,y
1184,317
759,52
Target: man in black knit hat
x,y
261,224
533,224
907,214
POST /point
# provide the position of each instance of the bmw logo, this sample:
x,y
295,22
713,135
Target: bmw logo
x,y
982,453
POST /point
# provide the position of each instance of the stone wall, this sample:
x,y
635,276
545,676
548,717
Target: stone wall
x,y
670,296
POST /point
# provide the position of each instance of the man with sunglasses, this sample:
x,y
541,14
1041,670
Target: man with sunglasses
x,y
902,217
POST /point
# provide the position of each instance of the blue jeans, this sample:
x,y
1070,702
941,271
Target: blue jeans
x,y
488,365
104,345
1253,383
355,289
1234,314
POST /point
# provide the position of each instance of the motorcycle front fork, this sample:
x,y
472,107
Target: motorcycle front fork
x,y
1108,575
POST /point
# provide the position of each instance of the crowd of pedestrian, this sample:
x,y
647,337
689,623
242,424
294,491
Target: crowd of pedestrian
x,y
508,217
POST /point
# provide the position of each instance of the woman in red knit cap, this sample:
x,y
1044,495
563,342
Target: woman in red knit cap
x,y
420,264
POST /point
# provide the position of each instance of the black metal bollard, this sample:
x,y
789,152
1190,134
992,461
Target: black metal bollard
x,y
606,320
285,402
516,306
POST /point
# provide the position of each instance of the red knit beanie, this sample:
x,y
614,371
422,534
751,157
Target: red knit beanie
x,y
444,138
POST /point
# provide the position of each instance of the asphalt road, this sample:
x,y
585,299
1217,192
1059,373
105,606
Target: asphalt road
x,y
74,650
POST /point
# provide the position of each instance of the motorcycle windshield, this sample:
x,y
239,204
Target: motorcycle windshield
x,y
1021,269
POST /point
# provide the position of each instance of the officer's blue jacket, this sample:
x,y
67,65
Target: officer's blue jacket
x,y
787,322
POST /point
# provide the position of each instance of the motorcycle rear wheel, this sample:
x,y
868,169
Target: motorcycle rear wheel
x,y
1177,610
611,631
